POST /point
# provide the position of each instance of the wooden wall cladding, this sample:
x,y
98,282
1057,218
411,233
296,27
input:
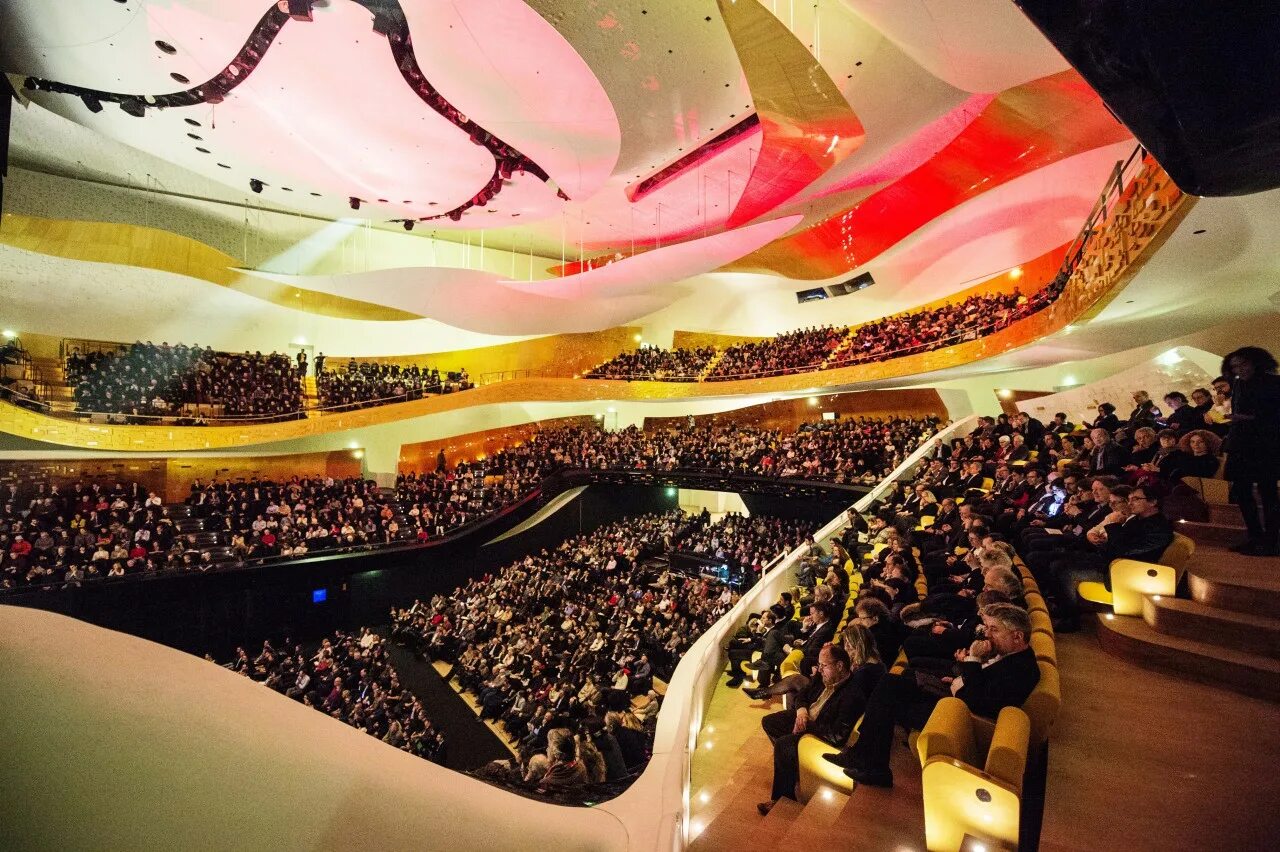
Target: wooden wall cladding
x,y
172,478
557,355
422,456
788,414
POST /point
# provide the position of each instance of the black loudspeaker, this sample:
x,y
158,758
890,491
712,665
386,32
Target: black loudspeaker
x,y
7,97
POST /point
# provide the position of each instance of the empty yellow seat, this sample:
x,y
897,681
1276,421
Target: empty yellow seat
x,y
1131,579
970,790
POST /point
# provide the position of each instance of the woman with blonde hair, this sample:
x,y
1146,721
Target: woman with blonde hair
x,y
861,646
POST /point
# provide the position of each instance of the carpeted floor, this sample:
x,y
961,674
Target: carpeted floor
x,y
471,743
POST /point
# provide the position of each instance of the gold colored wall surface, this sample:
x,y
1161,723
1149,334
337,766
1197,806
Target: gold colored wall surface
x,y
789,414
697,339
564,355
154,248
172,478
422,456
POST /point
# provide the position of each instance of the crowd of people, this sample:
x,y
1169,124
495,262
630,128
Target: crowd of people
x,y
64,536
793,352
364,383
186,382
561,648
656,364
349,677
739,547
1064,499
830,347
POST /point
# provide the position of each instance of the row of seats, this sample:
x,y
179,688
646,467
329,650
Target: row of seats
x,y
973,769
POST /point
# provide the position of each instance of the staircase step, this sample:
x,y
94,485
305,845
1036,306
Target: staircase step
x,y
1211,533
1256,634
1134,640
1225,515
1248,584
813,828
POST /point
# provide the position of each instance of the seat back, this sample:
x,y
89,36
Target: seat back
x,y
1044,702
1178,554
1131,580
1007,756
948,733
791,665
1041,622
1045,649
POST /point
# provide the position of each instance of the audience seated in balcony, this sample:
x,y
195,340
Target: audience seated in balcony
x,y
150,380
828,347
365,383
92,528
654,363
350,678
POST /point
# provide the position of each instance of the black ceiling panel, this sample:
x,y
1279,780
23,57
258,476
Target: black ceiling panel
x,y
1197,82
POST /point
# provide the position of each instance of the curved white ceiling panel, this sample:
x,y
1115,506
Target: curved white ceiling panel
x,y
481,302
477,301
975,45
628,275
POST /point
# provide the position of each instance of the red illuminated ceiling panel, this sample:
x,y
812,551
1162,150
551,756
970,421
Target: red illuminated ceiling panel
x,y
1023,129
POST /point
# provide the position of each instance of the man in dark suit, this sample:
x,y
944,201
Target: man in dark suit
x,y
828,708
1143,536
1107,457
996,672
821,630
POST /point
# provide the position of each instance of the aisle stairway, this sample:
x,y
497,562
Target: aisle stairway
x,y
711,365
1226,632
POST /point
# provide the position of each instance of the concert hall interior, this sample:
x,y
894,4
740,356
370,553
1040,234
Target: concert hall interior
x,y
639,426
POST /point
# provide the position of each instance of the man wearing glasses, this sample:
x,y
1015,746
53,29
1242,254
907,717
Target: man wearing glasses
x,y
1143,536
828,708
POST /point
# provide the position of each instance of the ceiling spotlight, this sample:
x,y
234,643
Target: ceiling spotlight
x,y
354,202
92,103
134,107
408,224
255,184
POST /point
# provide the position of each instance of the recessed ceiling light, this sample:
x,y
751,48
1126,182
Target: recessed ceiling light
x,y
202,150
192,122
166,47
224,165
193,136
181,78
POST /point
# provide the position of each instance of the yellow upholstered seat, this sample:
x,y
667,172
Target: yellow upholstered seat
x,y
1041,622
1131,579
1041,707
1045,648
791,665
816,773
970,790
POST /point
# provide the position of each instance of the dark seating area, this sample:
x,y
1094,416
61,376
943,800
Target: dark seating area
x,y
190,383
363,383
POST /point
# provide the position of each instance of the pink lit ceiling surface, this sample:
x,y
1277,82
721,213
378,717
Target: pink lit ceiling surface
x,y
327,111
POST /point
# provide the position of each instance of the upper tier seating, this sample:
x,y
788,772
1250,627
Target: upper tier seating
x,y
828,347
158,380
